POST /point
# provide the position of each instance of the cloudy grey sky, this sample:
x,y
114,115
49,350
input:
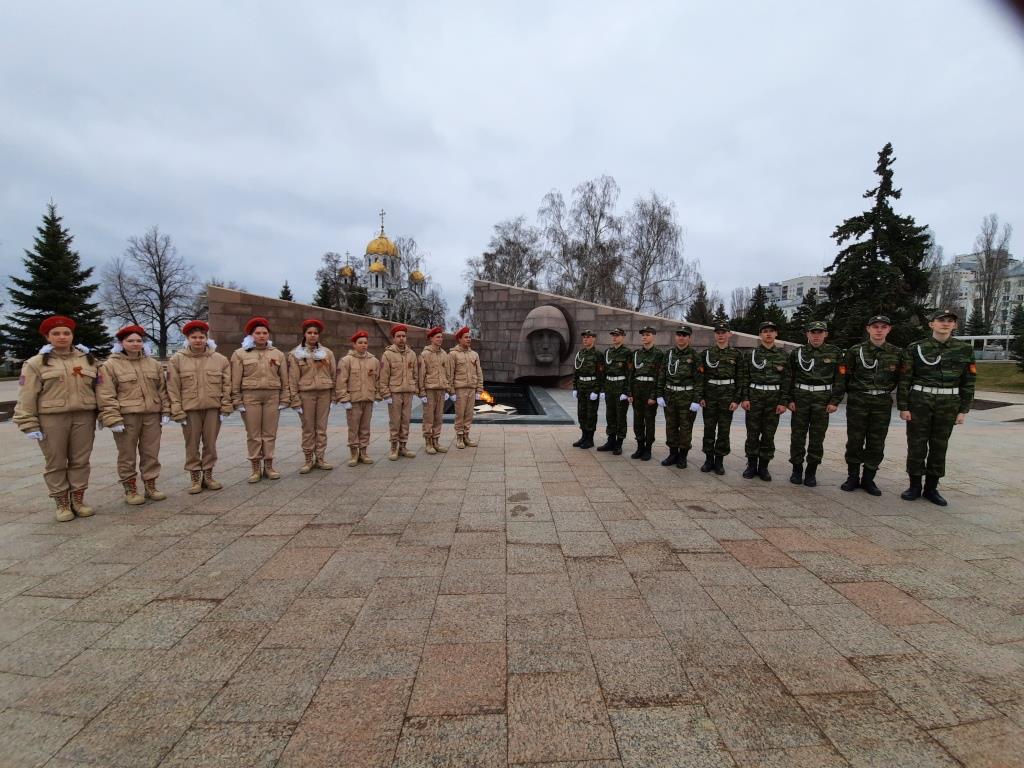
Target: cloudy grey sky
x,y
260,135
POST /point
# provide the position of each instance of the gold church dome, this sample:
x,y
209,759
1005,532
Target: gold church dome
x,y
417,277
346,271
381,246
378,266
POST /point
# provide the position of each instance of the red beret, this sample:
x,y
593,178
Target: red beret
x,y
128,330
360,334
400,327
312,323
255,323
461,332
195,325
56,321
434,331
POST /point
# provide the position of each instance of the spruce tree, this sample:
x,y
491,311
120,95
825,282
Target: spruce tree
x,y
880,271
721,316
700,311
286,293
809,310
323,297
55,284
976,322
1017,342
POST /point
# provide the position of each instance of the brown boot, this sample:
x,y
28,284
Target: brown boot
x,y
354,457
268,470
306,468
438,447
430,449
257,473
460,441
64,513
393,455
152,493
321,464
78,504
131,493
197,481
363,458
469,443
209,482
403,450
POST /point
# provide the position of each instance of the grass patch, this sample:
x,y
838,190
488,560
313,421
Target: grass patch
x,y
1000,377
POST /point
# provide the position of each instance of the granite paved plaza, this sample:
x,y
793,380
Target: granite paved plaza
x,y
520,603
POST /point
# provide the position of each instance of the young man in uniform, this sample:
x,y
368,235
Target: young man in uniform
x,y
647,364
398,385
765,395
872,370
357,390
435,382
618,366
722,386
468,382
312,377
935,393
679,392
819,379
588,367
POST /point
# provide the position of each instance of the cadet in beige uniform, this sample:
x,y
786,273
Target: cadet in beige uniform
x,y
259,390
311,381
468,382
133,402
357,390
57,407
435,380
199,387
398,385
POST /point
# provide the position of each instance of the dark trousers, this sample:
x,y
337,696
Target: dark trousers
x,y
644,416
932,418
615,411
679,424
762,422
867,425
810,423
717,418
586,409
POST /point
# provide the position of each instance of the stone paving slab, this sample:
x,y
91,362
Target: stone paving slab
x,y
523,603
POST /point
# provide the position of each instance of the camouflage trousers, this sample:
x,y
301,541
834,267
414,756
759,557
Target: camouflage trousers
x,y
679,420
615,410
762,422
867,425
932,418
809,424
717,418
586,409
644,415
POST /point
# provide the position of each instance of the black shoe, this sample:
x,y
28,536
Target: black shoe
x,y
617,450
762,470
810,475
931,491
588,440
583,436
751,469
709,463
797,477
668,461
719,464
681,460
646,455
914,491
867,482
608,446
852,482
638,452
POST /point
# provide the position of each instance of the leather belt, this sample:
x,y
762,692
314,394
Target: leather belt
x,y
766,387
937,390
678,389
721,381
814,387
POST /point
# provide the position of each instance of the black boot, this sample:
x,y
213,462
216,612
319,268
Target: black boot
x,y
931,491
914,491
797,477
681,460
867,482
762,470
639,450
583,436
751,469
668,461
646,455
609,444
617,450
852,477
588,439
810,475
719,464
709,462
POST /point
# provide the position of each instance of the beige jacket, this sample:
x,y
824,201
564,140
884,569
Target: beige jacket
x,y
258,369
466,371
435,370
357,378
309,370
198,382
398,371
130,385
67,383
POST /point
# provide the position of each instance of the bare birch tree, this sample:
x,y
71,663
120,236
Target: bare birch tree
x,y
513,257
658,280
991,248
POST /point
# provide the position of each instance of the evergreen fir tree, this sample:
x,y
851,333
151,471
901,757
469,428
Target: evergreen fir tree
x,y
1017,342
881,270
700,311
721,316
809,310
286,293
976,322
56,284
323,297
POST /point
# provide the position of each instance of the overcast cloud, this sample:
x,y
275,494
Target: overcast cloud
x,y
260,135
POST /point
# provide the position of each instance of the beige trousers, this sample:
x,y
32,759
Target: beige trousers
x,y
261,417
141,437
464,401
201,429
399,413
316,409
433,413
67,448
359,424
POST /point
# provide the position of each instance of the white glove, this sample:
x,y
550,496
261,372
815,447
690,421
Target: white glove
x,y
348,406
222,417
602,397
424,400
694,407
454,398
448,397
623,397
165,419
35,435
241,409
282,406
574,395
593,395
388,400
298,409
661,402
117,428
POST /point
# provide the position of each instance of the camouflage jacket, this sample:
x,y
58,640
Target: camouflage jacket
x,y
647,365
682,368
870,368
818,366
617,362
932,363
767,367
588,364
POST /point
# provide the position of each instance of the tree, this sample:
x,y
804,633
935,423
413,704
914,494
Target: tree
x,y
991,249
880,270
700,310
721,316
286,293
330,286
150,285
1017,342
55,283
658,280
809,310
739,300
513,257
201,306
758,311
976,325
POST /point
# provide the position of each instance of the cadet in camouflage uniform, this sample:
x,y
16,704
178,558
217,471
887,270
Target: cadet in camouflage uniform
x,y
586,388
722,372
819,382
935,393
765,391
679,393
618,365
643,386
872,369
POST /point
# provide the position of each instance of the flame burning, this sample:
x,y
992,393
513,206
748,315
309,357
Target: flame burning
x,y
486,396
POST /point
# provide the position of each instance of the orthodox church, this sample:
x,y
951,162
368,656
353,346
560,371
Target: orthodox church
x,y
384,274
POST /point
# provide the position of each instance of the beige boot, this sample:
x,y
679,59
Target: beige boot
x,y
256,474
131,493
268,470
460,442
363,458
321,464
64,513
197,481
469,443
430,449
403,450
354,457
306,468
152,493
393,456
78,504
438,447
209,482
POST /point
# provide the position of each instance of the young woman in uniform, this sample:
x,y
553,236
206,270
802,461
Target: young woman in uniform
x,y
311,377
358,377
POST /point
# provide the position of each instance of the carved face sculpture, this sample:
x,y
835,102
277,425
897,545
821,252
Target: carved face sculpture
x,y
544,342
546,346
